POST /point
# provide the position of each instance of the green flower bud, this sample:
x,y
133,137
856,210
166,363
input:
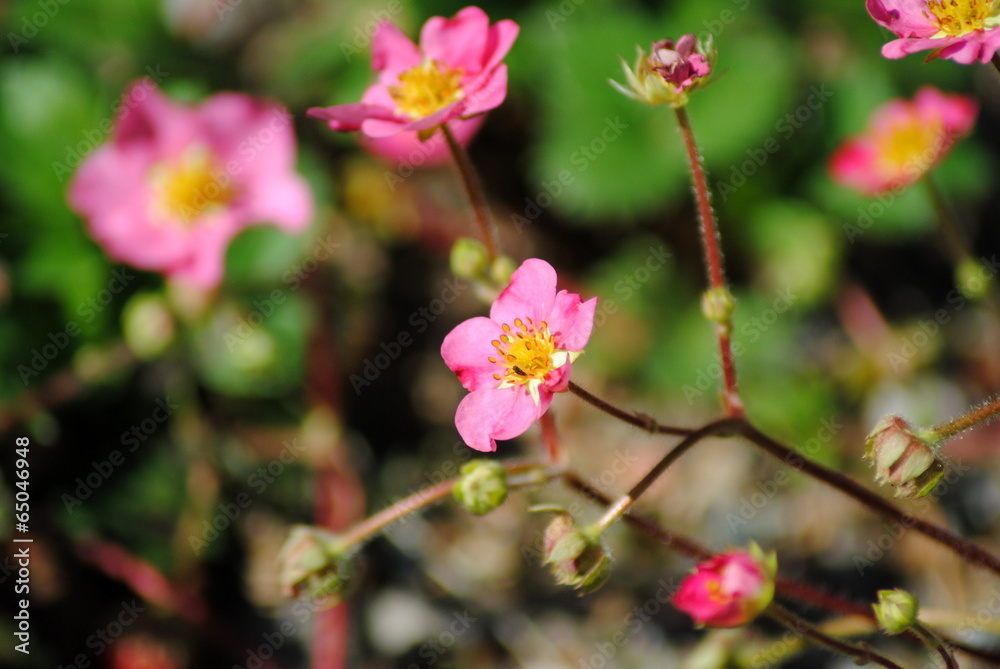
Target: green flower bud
x,y
148,325
502,269
313,564
469,259
482,486
902,459
576,558
718,305
896,611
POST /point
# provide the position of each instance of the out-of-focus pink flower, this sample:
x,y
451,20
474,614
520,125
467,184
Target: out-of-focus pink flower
x,y
175,183
963,30
729,590
904,140
455,73
513,361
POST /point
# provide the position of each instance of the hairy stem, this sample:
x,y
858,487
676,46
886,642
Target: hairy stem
x,y
474,190
966,550
640,421
360,533
713,261
962,423
624,503
860,653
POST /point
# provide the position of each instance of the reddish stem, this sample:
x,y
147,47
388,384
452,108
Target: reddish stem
x,y
713,260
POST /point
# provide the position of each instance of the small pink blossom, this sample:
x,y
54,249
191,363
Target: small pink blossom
x,y
963,30
455,73
904,140
682,65
175,184
729,590
513,361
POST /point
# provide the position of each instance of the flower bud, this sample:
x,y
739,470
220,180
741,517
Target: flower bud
x,y
718,304
729,590
482,486
148,325
896,610
576,559
313,564
969,279
469,259
669,72
902,459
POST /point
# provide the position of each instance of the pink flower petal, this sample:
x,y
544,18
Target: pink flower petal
x,y
531,293
501,38
571,321
467,349
459,41
350,117
489,414
392,51
487,93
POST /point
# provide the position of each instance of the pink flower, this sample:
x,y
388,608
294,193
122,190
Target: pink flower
x,y
963,30
513,361
905,139
729,590
681,66
455,73
175,183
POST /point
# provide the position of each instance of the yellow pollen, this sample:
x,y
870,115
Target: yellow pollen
x,y
188,187
911,144
426,88
527,356
958,17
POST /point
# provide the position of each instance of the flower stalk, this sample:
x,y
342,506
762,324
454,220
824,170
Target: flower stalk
x,y
474,191
713,261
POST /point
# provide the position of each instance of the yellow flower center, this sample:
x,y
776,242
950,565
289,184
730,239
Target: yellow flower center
x,y
958,17
426,88
912,145
191,186
527,353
